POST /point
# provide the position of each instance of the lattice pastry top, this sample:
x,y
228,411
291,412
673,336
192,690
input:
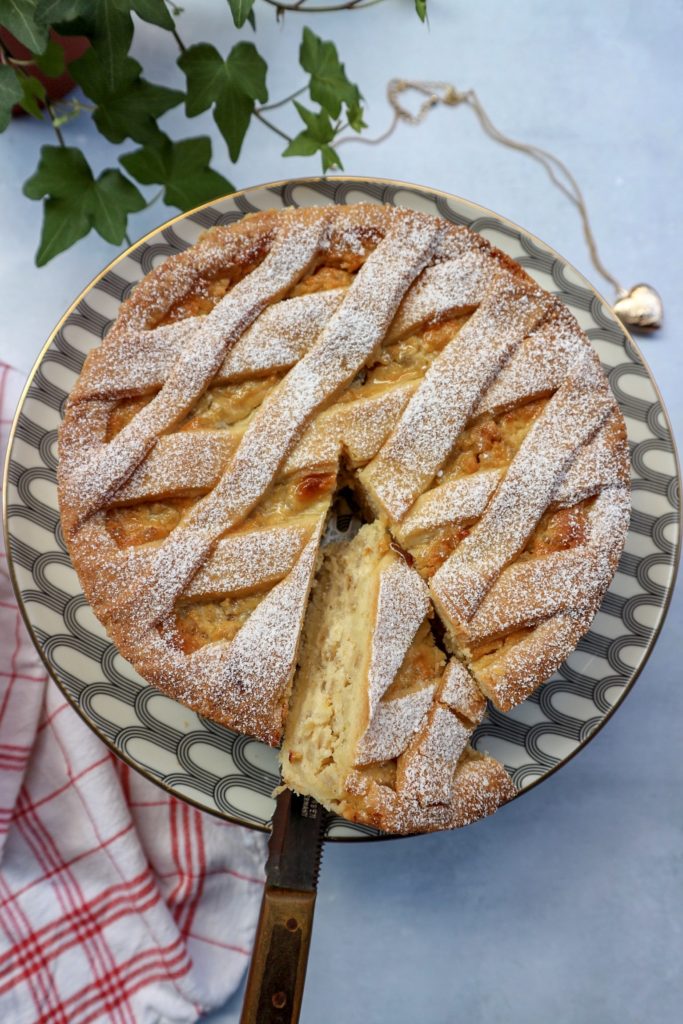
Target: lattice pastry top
x,y
294,353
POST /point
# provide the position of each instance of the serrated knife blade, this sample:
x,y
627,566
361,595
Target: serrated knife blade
x,y
295,847
278,966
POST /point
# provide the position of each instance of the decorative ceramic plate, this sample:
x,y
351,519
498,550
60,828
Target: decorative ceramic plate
x,y
232,775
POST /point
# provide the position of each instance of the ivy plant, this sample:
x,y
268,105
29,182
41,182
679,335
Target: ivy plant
x,y
126,108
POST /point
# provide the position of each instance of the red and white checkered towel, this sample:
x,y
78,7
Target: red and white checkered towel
x,y
118,903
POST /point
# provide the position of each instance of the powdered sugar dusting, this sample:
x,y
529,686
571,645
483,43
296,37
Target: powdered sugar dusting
x,y
95,478
601,463
244,561
449,392
180,463
141,360
448,287
530,591
567,421
510,679
401,606
458,500
460,693
349,338
359,428
393,724
428,767
253,672
478,786
554,351
281,335
135,362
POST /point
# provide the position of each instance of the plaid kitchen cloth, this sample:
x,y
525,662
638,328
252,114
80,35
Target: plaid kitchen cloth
x,y
118,902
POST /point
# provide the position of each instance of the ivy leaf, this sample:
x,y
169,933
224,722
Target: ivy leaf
x,y
241,10
109,27
245,82
61,170
19,17
64,223
32,95
10,93
155,12
75,201
421,8
128,106
51,63
232,115
233,85
247,68
329,85
47,12
315,138
111,35
330,159
182,168
303,145
318,126
355,115
113,198
204,70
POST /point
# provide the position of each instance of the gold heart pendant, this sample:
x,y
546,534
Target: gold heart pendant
x,y
640,308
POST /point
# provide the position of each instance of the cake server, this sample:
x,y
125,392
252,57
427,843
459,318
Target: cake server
x,y
283,936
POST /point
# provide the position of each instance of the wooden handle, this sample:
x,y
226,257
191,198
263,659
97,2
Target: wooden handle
x,y
278,966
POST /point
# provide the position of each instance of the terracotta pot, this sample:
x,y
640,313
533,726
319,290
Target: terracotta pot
x,y
73,47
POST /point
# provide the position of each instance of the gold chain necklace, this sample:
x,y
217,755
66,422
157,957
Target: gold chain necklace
x,y
639,307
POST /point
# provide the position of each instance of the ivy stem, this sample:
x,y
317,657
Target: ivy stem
x,y
174,32
300,6
181,44
156,198
281,103
127,238
57,130
273,127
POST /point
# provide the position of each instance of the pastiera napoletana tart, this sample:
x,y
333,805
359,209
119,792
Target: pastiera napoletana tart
x,y
395,357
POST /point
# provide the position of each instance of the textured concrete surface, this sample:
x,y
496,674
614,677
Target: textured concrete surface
x,y
567,906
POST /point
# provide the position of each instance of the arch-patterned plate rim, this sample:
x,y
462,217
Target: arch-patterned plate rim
x,y
486,215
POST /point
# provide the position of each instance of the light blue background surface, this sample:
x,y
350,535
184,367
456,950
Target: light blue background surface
x,y
567,906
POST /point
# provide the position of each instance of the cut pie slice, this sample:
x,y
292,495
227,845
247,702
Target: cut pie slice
x,y
379,724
